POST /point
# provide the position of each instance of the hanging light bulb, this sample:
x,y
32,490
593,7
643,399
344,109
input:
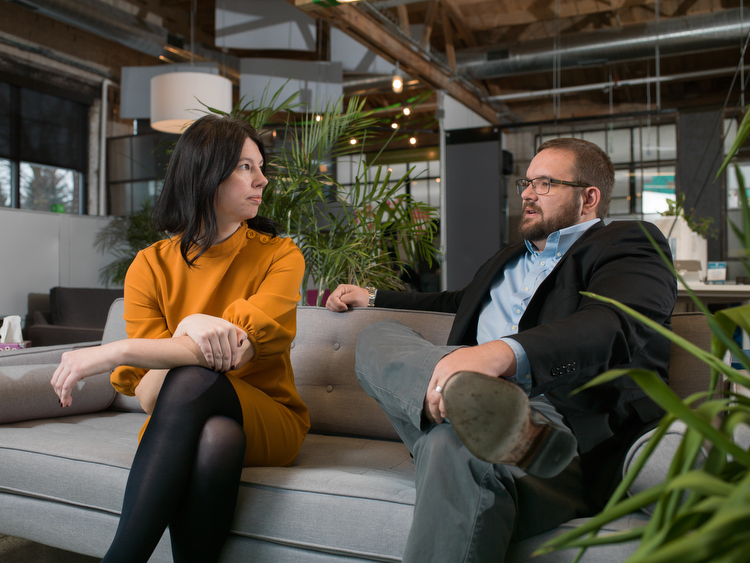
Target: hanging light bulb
x,y
407,111
413,140
398,80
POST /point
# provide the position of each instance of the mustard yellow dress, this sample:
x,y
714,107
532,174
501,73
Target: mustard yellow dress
x,y
252,280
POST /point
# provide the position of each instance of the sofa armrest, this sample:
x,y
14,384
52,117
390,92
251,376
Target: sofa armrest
x,y
26,393
40,354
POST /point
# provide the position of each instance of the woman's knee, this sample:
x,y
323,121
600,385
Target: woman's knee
x,y
221,433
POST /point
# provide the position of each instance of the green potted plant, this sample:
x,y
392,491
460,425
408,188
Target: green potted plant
x,y
700,511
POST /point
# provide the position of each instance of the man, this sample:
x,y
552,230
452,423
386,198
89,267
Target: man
x,y
523,323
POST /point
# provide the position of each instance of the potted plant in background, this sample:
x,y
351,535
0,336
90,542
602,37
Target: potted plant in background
x,y
364,233
701,511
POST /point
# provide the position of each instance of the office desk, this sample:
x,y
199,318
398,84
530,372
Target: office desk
x,y
711,294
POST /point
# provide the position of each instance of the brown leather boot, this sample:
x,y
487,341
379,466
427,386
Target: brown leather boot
x,y
494,420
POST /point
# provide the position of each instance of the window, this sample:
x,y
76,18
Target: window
x,y
43,150
644,158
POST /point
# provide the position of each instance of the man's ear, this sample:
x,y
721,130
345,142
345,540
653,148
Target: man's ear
x,y
591,198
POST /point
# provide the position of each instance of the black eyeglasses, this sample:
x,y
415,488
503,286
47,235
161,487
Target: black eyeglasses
x,y
541,186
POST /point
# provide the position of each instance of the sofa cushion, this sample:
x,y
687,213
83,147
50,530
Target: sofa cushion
x,y
81,307
26,393
343,496
323,362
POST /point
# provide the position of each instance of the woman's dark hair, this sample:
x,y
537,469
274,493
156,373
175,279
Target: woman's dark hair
x,y
206,155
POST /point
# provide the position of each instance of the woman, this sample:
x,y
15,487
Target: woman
x,y
210,315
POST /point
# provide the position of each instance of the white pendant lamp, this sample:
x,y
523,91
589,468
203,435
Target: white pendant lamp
x,y
179,98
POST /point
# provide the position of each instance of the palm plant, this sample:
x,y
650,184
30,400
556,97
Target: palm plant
x,y
701,512
365,233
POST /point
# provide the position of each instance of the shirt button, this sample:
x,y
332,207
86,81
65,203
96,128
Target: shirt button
x,y
526,289
528,376
559,253
542,264
514,327
518,311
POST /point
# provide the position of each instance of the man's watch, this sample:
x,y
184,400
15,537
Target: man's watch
x,y
371,291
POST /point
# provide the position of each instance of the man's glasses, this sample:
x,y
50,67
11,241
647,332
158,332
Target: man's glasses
x,y
541,186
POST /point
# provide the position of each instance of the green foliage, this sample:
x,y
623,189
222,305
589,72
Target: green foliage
x,y
124,237
699,225
700,513
363,234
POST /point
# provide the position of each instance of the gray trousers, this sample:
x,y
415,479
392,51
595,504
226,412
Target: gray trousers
x,y
466,509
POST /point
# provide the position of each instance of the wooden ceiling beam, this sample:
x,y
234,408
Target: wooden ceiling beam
x,y
367,32
429,21
450,49
403,19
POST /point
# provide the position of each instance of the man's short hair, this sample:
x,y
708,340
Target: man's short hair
x,y
591,166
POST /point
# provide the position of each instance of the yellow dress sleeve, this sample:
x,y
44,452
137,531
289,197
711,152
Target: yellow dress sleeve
x,y
269,315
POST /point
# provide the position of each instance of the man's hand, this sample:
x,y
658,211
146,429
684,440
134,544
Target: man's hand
x,y
345,296
494,358
218,339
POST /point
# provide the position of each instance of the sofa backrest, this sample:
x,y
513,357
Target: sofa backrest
x,y
688,375
323,362
81,306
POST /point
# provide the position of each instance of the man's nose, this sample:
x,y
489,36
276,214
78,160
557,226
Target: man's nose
x,y
528,193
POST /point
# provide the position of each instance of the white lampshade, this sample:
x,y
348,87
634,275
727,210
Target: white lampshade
x,y
179,98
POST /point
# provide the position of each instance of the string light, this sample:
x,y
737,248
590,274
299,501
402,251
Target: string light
x,y
407,111
398,81
413,140
318,118
394,125
352,141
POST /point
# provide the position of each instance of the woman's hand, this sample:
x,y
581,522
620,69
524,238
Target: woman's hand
x,y
218,339
76,365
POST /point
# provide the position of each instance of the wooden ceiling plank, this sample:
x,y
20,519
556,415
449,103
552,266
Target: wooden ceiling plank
x,y
486,22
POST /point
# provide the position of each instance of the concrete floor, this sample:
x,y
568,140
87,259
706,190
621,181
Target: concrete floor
x,y
17,550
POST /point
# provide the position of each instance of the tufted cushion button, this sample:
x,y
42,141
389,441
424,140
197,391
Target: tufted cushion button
x,y
329,388
336,345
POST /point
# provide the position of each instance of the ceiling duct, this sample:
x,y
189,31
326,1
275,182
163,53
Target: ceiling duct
x,y
675,36
117,25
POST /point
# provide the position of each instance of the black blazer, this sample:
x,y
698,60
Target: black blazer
x,y
570,338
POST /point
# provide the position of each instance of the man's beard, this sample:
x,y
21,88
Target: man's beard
x,y
541,229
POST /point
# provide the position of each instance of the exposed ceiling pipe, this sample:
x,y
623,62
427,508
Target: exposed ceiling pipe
x,y
117,25
611,84
676,36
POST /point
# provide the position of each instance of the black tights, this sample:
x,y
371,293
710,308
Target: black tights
x,y
186,472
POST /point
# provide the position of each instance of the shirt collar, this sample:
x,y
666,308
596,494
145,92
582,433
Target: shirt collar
x,y
559,242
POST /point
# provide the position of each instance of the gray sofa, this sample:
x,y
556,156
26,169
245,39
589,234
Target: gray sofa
x,y
348,497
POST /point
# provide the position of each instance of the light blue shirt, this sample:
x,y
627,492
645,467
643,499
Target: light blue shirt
x,y
511,292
